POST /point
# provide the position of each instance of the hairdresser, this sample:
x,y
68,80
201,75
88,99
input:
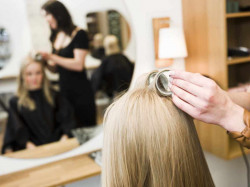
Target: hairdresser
x,y
204,100
70,46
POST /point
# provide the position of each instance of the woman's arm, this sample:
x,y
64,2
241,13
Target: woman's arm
x,y
76,64
241,98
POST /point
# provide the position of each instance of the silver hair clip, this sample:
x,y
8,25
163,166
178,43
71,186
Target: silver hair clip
x,y
36,56
160,81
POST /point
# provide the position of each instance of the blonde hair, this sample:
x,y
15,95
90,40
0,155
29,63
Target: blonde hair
x,y
148,142
24,99
111,45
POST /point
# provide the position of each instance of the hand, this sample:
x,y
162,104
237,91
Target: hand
x,y
45,55
30,145
204,100
51,63
64,137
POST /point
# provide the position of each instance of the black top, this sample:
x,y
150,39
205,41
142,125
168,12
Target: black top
x,y
43,125
114,74
98,53
75,86
70,79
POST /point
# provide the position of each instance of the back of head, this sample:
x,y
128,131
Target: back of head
x,y
111,45
149,142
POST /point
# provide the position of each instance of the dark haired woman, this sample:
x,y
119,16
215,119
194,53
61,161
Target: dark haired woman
x,y
70,46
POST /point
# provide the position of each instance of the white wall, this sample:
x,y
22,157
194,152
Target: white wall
x,y
13,17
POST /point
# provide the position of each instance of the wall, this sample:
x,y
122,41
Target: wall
x,y
14,18
142,12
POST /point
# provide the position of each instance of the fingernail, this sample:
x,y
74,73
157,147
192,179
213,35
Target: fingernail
x,y
170,79
171,73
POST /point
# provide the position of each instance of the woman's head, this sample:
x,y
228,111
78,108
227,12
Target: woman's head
x,y
58,17
98,40
149,142
32,77
31,74
111,45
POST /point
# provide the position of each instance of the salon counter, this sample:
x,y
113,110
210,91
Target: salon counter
x,y
47,150
55,173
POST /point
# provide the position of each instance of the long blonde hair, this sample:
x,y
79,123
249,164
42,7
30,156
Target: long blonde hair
x,y
148,142
24,100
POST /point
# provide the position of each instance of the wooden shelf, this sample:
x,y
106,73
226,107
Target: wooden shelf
x,y
238,60
238,15
210,58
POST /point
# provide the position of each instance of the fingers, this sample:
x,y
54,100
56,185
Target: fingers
x,y
189,87
194,78
196,102
189,109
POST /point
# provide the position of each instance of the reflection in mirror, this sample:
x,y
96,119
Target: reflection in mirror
x,y
109,35
103,23
5,52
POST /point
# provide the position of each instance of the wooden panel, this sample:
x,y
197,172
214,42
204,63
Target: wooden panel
x,y
195,24
205,32
217,42
53,174
46,150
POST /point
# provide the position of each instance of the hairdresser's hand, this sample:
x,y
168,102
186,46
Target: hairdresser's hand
x,y
45,55
48,57
204,100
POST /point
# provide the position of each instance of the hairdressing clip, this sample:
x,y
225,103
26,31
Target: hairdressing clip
x,y
36,56
160,81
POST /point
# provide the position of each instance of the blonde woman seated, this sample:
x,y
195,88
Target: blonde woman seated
x,y
115,72
37,115
148,142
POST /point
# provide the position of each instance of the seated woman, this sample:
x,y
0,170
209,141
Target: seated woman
x,y
37,115
115,72
148,142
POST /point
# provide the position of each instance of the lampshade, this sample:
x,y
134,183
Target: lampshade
x,y
172,43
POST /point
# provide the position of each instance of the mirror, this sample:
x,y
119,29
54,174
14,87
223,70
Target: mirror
x,y
38,33
103,27
103,23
